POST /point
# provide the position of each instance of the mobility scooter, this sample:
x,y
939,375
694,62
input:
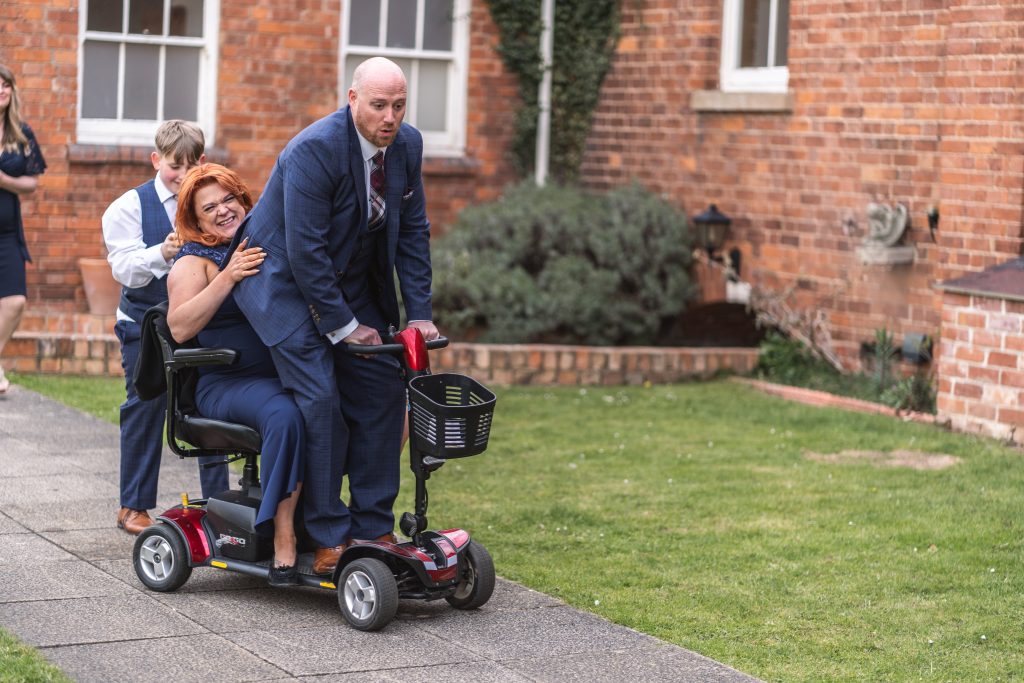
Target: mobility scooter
x,y
449,417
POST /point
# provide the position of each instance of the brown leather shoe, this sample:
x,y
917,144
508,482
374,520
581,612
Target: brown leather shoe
x,y
326,559
133,521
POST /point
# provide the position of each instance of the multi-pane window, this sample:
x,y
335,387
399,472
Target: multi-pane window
x,y
429,40
755,40
143,62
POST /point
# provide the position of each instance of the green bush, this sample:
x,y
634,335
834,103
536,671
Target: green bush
x,y
558,265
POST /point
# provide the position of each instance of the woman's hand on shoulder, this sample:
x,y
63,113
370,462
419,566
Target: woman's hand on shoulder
x,y
245,262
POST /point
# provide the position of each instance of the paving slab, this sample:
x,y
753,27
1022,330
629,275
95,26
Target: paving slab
x,y
553,632
185,659
67,586
55,489
262,609
57,581
25,459
108,543
9,526
657,662
310,651
28,548
86,513
478,672
94,620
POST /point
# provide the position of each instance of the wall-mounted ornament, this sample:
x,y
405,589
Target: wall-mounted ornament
x,y
886,227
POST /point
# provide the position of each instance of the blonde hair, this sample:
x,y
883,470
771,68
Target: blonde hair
x,y
14,139
180,140
186,221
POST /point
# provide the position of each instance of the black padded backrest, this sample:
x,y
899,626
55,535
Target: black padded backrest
x,y
157,348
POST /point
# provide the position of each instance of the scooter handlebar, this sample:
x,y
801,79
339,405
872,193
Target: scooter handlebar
x,y
376,349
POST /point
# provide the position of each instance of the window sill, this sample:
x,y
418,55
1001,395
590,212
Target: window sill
x,y
126,154
450,166
753,102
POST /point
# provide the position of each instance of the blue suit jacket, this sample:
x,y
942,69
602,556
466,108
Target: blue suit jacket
x,y
308,219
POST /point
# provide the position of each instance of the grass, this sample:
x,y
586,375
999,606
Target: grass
x,y
692,513
99,396
22,664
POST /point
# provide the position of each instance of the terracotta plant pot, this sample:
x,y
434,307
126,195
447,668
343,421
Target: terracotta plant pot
x,y
102,291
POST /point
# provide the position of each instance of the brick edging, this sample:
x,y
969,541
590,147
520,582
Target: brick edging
x,y
499,364
557,364
813,397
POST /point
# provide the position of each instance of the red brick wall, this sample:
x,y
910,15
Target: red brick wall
x,y
915,102
981,385
278,73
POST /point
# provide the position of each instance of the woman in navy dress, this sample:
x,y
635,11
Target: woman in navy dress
x,y
212,202
21,163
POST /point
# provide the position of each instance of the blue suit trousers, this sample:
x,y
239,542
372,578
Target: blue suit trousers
x,y
353,428
142,435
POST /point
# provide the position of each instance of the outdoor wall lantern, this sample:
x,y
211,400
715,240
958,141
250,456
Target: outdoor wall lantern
x,y
712,227
917,348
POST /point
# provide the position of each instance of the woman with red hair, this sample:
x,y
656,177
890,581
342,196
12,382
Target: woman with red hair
x,y
212,202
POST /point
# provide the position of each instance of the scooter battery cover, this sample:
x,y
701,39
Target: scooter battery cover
x,y
232,519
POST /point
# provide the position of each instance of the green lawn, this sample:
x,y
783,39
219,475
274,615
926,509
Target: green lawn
x,y
693,513
21,664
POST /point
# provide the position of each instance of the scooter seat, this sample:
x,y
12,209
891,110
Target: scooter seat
x,y
207,434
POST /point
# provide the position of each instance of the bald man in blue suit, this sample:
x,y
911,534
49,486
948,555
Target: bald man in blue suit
x,y
333,243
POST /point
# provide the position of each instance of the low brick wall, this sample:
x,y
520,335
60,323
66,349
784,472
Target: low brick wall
x,y
981,367
546,364
85,345
61,342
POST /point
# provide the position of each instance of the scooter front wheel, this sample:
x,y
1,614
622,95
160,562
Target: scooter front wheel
x,y
160,558
476,580
367,594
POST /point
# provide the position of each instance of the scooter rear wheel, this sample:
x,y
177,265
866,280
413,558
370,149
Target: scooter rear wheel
x,y
367,594
477,578
160,558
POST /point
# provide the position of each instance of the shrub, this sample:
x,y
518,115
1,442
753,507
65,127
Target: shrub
x,y
787,361
558,265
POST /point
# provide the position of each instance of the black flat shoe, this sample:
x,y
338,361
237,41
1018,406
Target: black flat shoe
x,y
280,577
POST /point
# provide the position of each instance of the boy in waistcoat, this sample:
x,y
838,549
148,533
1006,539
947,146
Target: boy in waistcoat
x,y
138,230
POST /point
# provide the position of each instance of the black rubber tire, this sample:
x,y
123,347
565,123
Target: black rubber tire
x,y
477,578
367,594
160,558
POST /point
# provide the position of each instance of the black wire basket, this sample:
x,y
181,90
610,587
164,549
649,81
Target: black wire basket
x,y
450,415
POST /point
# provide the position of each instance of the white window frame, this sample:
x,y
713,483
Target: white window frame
x,y
734,78
451,143
121,131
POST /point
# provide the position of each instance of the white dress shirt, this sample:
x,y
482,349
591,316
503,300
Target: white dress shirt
x,y
132,262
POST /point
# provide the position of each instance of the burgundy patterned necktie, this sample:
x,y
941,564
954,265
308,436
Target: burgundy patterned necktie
x,y
377,185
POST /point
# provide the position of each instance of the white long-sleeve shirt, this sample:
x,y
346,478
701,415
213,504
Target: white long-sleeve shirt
x,y
132,262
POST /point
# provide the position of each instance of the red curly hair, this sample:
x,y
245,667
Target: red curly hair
x,y
187,220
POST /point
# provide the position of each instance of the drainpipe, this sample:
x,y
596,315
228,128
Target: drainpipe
x,y
547,39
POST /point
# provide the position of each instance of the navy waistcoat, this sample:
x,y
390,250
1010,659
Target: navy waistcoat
x,y
135,301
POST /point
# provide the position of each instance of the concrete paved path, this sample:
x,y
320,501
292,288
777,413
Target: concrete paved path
x,y
68,588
